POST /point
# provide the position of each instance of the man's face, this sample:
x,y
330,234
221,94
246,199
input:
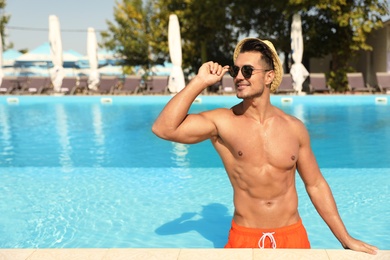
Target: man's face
x,y
252,85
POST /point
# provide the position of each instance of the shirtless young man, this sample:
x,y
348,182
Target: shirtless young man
x,y
261,148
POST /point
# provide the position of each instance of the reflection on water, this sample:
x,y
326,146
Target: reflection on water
x,y
5,139
99,137
62,130
180,152
94,134
299,112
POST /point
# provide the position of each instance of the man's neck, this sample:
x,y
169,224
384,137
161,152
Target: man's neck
x,y
259,108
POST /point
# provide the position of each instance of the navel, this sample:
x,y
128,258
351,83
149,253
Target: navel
x,y
239,153
293,157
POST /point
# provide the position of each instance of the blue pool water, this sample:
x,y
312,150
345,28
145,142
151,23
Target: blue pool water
x,y
87,172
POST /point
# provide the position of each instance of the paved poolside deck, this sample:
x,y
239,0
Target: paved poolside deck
x,y
187,254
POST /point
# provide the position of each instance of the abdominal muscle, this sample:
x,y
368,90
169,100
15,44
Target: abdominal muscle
x,y
261,167
264,198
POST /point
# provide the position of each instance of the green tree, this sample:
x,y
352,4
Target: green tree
x,y
344,32
140,32
210,29
269,20
206,30
134,34
335,27
4,19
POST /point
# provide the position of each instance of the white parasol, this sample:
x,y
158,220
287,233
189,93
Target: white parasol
x,y
176,79
57,72
298,72
92,52
1,60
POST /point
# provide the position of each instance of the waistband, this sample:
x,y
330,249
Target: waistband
x,y
260,231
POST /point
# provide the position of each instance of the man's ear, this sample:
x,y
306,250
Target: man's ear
x,y
269,77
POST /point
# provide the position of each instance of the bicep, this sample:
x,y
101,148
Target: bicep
x,y
195,128
307,164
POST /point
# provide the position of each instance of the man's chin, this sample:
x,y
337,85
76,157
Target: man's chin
x,y
240,94
243,95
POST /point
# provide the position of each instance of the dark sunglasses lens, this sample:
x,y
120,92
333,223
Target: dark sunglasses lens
x,y
233,71
246,71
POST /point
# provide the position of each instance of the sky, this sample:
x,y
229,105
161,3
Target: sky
x,y
29,22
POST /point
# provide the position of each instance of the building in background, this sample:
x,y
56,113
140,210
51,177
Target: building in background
x,y
367,62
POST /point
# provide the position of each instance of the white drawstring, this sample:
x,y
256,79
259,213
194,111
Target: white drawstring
x,y
262,240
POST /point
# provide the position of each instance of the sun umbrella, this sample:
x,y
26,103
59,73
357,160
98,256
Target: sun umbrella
x,y
92,52
176,79
1,60
298,71
57,72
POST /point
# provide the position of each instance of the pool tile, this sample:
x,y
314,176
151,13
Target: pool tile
x,y
187,254
215,254
65,254
352,255
290,254
142,253
15,254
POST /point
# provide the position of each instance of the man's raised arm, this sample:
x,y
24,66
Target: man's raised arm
x,y
174,123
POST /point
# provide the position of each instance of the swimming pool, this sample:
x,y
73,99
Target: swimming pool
x,y
88,172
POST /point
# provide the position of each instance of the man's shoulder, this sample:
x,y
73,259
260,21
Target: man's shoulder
x,y
220,110
216,113
291,119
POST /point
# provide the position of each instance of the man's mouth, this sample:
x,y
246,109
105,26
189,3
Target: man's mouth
x,y
241,85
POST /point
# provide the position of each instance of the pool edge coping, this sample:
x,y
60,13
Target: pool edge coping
x,y
186,253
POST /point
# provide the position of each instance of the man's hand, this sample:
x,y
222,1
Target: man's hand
x,y
211,72
358,245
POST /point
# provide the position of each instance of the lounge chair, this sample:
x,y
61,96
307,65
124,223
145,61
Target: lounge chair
x,y
106,85
356,83
8,84
69,85
318,83
227,85
81,85
21,82
36,85
158,85
383,79
130,85
286,86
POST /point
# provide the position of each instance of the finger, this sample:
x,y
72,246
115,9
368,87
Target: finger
x,y
213,68
225,69
366,248
219,71
222,70
371,249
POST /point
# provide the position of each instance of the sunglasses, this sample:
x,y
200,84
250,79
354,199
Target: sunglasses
x,y
246,71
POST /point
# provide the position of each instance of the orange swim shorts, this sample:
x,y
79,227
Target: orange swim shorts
x,y
293,236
